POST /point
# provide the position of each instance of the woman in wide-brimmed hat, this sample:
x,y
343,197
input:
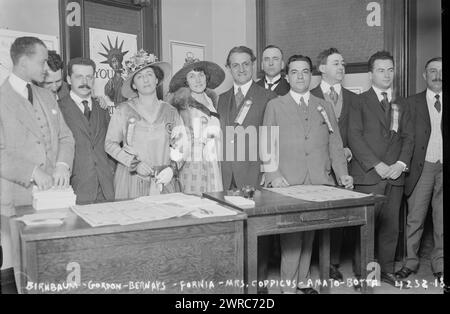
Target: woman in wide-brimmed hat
x,y
192,94
140,131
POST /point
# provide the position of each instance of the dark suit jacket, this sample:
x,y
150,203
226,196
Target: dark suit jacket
x,y
91,165
421,120
245,172
282,88
349,99
371,140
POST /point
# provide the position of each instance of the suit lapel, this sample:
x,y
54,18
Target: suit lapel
x,y
375,106
422,110
312,109
95,119
76,114
25,113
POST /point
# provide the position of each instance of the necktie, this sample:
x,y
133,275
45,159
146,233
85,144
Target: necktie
x,y
87,111
333,95
239,97
270,85
303,104
386,106
30,93
437,104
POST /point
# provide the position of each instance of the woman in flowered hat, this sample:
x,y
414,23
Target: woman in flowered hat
x,y
140,131
192,94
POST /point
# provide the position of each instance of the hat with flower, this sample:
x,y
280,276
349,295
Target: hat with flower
x,y
140,61
215,72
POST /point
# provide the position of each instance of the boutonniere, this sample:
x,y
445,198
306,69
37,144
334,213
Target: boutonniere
x,y
54,111
243,112
325,118
395,117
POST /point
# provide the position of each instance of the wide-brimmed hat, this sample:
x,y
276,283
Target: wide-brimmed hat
x,y
138,62
216,74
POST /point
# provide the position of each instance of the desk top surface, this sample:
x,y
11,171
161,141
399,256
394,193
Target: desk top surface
x,y
75,226
270,203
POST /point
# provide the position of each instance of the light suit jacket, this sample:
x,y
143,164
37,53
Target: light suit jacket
x,y
305,146
22,147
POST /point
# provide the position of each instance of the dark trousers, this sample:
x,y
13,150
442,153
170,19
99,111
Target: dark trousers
x,y
386,222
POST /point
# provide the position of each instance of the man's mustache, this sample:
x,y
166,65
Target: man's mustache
x,y
437,80
84,86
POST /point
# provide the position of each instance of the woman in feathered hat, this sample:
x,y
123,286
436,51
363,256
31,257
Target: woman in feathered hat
x,y
140,131
192,95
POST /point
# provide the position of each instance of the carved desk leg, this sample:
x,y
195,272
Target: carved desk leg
x,y
366,242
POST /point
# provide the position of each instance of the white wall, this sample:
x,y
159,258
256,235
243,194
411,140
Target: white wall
x,y
35,16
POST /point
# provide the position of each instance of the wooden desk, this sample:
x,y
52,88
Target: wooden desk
x,y
276,214
170,251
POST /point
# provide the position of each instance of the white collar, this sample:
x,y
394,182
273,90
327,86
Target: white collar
x,y
274,79
380,96
244,88
78,100
431,94
19,85
298,96
325,86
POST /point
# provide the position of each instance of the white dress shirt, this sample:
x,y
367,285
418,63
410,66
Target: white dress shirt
x,y
298,96
19,85
270,81
78,100
244,88
326,87
380,96
434,148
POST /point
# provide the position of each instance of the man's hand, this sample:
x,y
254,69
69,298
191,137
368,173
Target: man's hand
x,y
348,154
347,181
61,176
382,169
279,182
164,176
395,171
102,102
144,169
43,180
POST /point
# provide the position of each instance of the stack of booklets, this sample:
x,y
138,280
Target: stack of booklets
x,y
53,198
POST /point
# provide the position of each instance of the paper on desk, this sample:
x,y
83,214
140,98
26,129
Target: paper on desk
x,y
128,212
211,210
317,193
240,201
43,218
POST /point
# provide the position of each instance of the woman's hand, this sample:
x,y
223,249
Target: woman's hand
x,y
144,169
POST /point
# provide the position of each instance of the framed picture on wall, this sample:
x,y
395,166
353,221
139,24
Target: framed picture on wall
x,y
7,37
180,52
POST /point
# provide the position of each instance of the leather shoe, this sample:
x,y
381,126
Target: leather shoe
x,y
439,276
335,273
393,281
307,290
404,273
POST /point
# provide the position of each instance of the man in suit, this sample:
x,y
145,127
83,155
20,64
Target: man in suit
x,y
36,146
93,173
310,147
423,184
54,77
332,68
241,111
272,64
381,138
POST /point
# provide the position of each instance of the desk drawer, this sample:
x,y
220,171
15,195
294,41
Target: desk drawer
x,y
321,217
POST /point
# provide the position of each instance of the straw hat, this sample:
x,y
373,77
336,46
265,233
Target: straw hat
x,y
216,74
142,60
